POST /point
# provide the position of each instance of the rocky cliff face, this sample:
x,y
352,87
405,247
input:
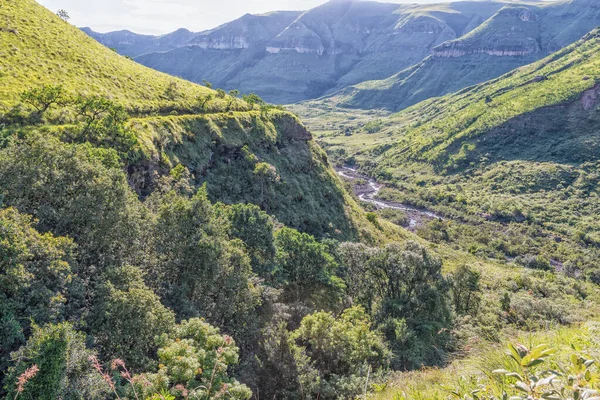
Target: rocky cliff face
x,y
513,31
245,32
514,36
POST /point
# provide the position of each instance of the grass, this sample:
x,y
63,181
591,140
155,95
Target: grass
x,y
37,48
464,376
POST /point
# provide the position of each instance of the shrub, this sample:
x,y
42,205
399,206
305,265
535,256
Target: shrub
x,y
194,363
60,355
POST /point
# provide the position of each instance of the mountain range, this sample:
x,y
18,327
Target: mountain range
x,y
364,54
287,57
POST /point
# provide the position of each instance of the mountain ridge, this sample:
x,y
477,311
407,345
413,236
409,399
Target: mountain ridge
x,y
328,47
515,36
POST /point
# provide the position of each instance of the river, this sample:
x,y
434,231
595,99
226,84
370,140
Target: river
x,y
368,193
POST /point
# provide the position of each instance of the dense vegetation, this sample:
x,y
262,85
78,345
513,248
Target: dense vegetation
x,y
511,165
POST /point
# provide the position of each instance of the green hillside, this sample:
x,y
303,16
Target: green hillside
x,y
220,139
516,155
198,245
65,56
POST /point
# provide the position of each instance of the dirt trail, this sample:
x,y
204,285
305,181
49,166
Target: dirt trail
x,y
368,193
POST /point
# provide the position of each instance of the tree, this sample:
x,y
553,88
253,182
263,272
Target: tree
x,y
77,191
207,84
466,290
305,270
404,288
35,276
334,356
194,361
44,97
221,94
414,313
233,94
172,90
358,275
255,228
127,317
94,109
265,173
203,101
253,100
60,356
63,14
199,270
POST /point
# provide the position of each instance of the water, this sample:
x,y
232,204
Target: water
x,y
369,192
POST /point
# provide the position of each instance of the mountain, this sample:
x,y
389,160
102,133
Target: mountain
x,y
220,143
516,156
516,35
132,44
291,56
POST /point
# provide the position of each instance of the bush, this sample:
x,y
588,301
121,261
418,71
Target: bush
x,y
59,354
194,361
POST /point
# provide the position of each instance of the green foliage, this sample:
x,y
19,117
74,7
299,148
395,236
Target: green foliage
x,y
198,270
372,218
44,97
466,290
35,277
403,287
306,270
373,126
73,190
254,99
532,374
336,356
127,317
64,372
255,229
194,362
104,124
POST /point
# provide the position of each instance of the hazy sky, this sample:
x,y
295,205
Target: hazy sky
x,y
163,16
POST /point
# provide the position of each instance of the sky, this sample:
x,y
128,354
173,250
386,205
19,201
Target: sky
x,y
163,16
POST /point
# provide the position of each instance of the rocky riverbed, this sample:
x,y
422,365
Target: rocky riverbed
x,y
367,190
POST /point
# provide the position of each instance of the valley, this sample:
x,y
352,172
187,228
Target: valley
x,y
418,221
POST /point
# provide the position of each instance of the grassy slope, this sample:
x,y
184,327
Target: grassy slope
x,y
46,50
37,48
465,376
